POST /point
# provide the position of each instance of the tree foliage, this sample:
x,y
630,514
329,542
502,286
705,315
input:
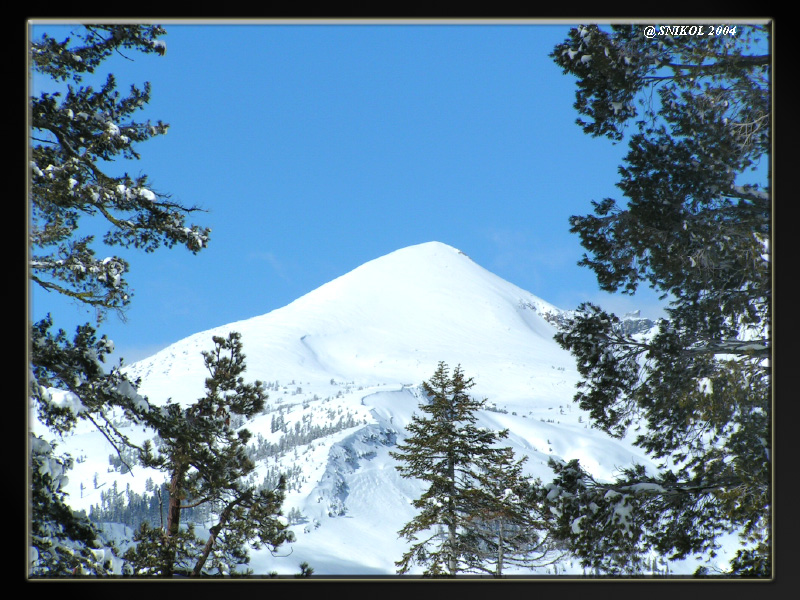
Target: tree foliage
x,y
471,513
695,227
74,368
61,540
508,529
74,134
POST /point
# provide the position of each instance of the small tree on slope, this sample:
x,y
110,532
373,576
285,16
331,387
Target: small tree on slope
x,y
465,472
206,461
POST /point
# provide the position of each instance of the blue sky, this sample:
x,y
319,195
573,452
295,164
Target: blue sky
x,y
317,147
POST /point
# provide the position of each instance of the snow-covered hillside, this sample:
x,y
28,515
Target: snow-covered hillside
x,y
389,320
342,365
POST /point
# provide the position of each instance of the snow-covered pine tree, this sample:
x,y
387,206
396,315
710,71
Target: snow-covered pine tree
x,y
205,459
696,228
462,466
73,132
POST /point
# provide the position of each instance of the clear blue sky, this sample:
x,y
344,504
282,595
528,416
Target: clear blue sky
x,y
317,147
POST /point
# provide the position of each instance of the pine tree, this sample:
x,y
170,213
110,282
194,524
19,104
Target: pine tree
x,y
462,467
305,571
73,133
206,460
696,228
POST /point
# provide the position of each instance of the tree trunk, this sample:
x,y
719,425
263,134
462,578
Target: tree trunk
x,y
500,543
173,519
214,532
452,563
212,538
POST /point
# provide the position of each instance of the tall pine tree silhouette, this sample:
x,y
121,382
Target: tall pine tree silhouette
x,y
463,469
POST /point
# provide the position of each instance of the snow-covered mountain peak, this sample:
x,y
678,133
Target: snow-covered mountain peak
x,y
391,319
422,273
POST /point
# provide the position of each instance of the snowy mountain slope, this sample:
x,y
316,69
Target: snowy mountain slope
x,y
391,319
343,365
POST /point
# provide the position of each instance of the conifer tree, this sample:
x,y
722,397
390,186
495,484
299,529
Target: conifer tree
x,y
206,461
463,469
696,228
73,133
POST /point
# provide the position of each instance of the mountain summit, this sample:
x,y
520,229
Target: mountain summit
x,y
391,319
